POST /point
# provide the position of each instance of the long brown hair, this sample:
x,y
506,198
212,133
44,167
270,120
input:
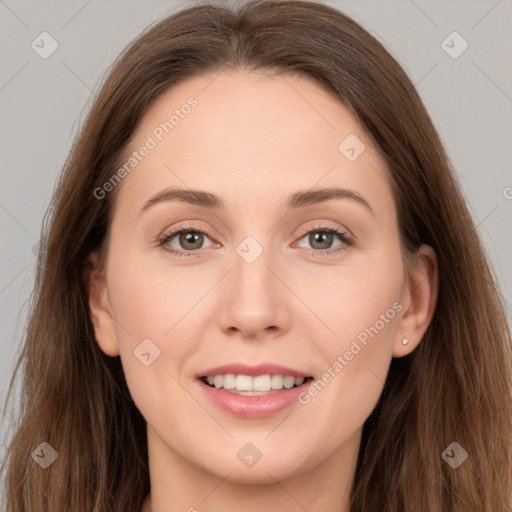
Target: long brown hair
x,y
455,387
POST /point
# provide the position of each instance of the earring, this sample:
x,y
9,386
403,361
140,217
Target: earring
x,y
405,341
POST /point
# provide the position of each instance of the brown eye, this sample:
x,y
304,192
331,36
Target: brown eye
x,y
321,239
192,240
185,241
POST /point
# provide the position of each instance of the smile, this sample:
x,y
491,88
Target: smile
x,y
258,396
259,385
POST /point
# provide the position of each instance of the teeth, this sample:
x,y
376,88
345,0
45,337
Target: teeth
x,y
260,383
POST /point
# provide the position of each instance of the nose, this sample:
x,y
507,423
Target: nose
x,y
254,300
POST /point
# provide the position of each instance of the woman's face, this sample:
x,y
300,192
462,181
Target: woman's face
x,y
257,281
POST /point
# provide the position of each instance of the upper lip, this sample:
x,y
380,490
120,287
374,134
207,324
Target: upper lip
x,y
260,369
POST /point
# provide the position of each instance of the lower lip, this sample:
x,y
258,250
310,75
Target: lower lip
x,y
253,406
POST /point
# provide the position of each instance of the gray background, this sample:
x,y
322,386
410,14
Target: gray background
x,y
44,101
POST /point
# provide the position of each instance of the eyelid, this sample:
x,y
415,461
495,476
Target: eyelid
x,y
322,224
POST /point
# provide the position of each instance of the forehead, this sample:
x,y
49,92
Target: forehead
x,y
249,135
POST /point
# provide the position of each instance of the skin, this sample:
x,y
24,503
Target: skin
x,y
254,140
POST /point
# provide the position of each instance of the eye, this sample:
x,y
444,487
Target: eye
x,y
189,239
322,237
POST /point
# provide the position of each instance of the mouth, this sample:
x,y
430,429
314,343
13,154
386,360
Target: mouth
x,y
259,385
253,391
258,396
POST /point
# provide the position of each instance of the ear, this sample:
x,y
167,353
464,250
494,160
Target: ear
x,y
102,319
419,299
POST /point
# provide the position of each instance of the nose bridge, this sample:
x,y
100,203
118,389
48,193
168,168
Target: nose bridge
x,y
252,276
253,299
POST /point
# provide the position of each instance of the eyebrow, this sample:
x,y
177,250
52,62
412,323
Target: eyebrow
x,y
296,200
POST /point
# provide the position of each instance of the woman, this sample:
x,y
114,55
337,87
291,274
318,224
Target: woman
x,y
333,338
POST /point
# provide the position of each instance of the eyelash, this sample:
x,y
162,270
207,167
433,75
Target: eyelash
x,y
343,236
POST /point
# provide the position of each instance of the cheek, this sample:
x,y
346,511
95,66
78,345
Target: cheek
x,y
150,300
356,302
359,309
156,338
356,365
160,317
